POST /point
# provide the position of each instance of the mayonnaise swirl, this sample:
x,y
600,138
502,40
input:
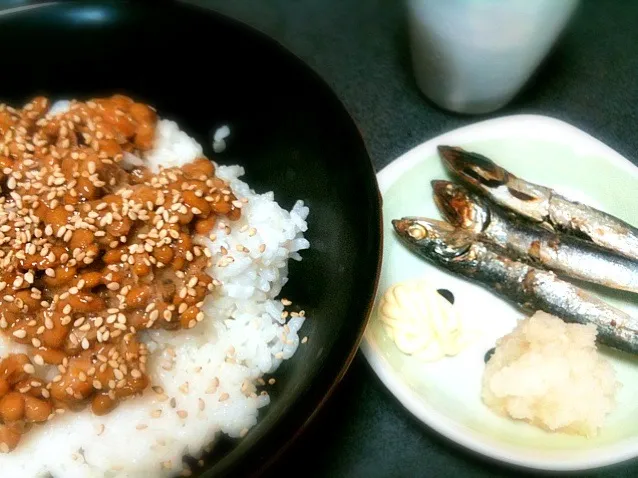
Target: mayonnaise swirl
x,y
421,322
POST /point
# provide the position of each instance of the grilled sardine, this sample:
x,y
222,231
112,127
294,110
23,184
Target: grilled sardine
x,y
526,286
566,255
541,204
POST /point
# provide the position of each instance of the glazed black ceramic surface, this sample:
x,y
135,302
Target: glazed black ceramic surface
x,y
288,130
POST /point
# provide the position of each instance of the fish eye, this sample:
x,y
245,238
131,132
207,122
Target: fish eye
x,y
417,231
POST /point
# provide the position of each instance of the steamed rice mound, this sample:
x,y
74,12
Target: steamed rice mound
x,y
548,373
206,381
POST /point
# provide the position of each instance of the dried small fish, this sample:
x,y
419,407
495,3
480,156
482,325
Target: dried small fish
x,y
541,204
528,287
523,240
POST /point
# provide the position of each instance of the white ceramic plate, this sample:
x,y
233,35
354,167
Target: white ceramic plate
x,y
445,395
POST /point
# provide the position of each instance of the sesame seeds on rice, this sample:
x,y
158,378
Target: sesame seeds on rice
x,y
205,380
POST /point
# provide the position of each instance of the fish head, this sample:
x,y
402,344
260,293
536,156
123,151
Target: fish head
x,y
436,240
460,207
473,168
502,187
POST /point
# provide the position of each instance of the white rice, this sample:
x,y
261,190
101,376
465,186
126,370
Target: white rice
x,y
173,147
59,107
219,138
243,323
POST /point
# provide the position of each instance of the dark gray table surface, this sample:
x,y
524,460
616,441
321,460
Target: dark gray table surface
x,y
360,48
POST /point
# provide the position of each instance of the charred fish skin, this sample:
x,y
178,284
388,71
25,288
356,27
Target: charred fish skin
x,y
541,204
480,172
519,283
460,207
565,255
601,228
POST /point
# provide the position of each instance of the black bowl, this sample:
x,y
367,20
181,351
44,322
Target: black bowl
x,y
289,131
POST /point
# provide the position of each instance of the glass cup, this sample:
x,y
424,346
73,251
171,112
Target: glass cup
x,y
473,56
